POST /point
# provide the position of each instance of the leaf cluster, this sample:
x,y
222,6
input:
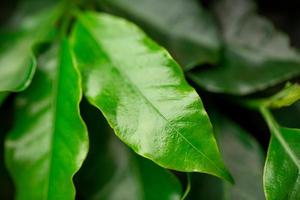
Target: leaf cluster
x,y
93,105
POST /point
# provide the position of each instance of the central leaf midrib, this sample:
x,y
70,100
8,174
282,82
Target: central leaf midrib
x,y
131,83
55,86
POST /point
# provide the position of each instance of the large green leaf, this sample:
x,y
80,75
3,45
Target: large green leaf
x,y
112,171
142,92
49,140
256,55
182,26
244,158
281,175
30,26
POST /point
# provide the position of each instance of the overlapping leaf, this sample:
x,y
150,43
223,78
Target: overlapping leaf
x,y
244,158
112,171
142,92
256,55
281,175
31,25
48,142
185,28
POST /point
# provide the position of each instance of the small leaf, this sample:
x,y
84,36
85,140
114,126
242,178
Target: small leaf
x,y
281,174
49,140
244,158
184,27
28,28
285,97
112,171
256,56
142,93
289,95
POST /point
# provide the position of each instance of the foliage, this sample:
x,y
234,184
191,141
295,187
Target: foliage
x,y
97,109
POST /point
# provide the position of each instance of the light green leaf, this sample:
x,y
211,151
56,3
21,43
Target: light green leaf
x,y
27,28
49,140
184,27
281,175
285,97
112,171
244,158
256,55
142,93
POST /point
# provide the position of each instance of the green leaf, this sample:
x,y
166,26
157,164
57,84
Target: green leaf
x,y
142,93
112,171
285,97
28,28
256,56
281,175
244,158
49,140
184,27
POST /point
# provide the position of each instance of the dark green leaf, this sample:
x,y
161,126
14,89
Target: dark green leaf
x,y
281,174
256,55
49,140
182,26
27,28
142,92
244,158
112,171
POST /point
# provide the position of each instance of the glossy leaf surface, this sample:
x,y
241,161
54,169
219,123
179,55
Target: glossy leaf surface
x,y
244,158
112,171
256,55
142,92
281,174
31,25
49,140
185,28
281,177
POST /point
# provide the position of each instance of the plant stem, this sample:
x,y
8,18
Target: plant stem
x,y
188,187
